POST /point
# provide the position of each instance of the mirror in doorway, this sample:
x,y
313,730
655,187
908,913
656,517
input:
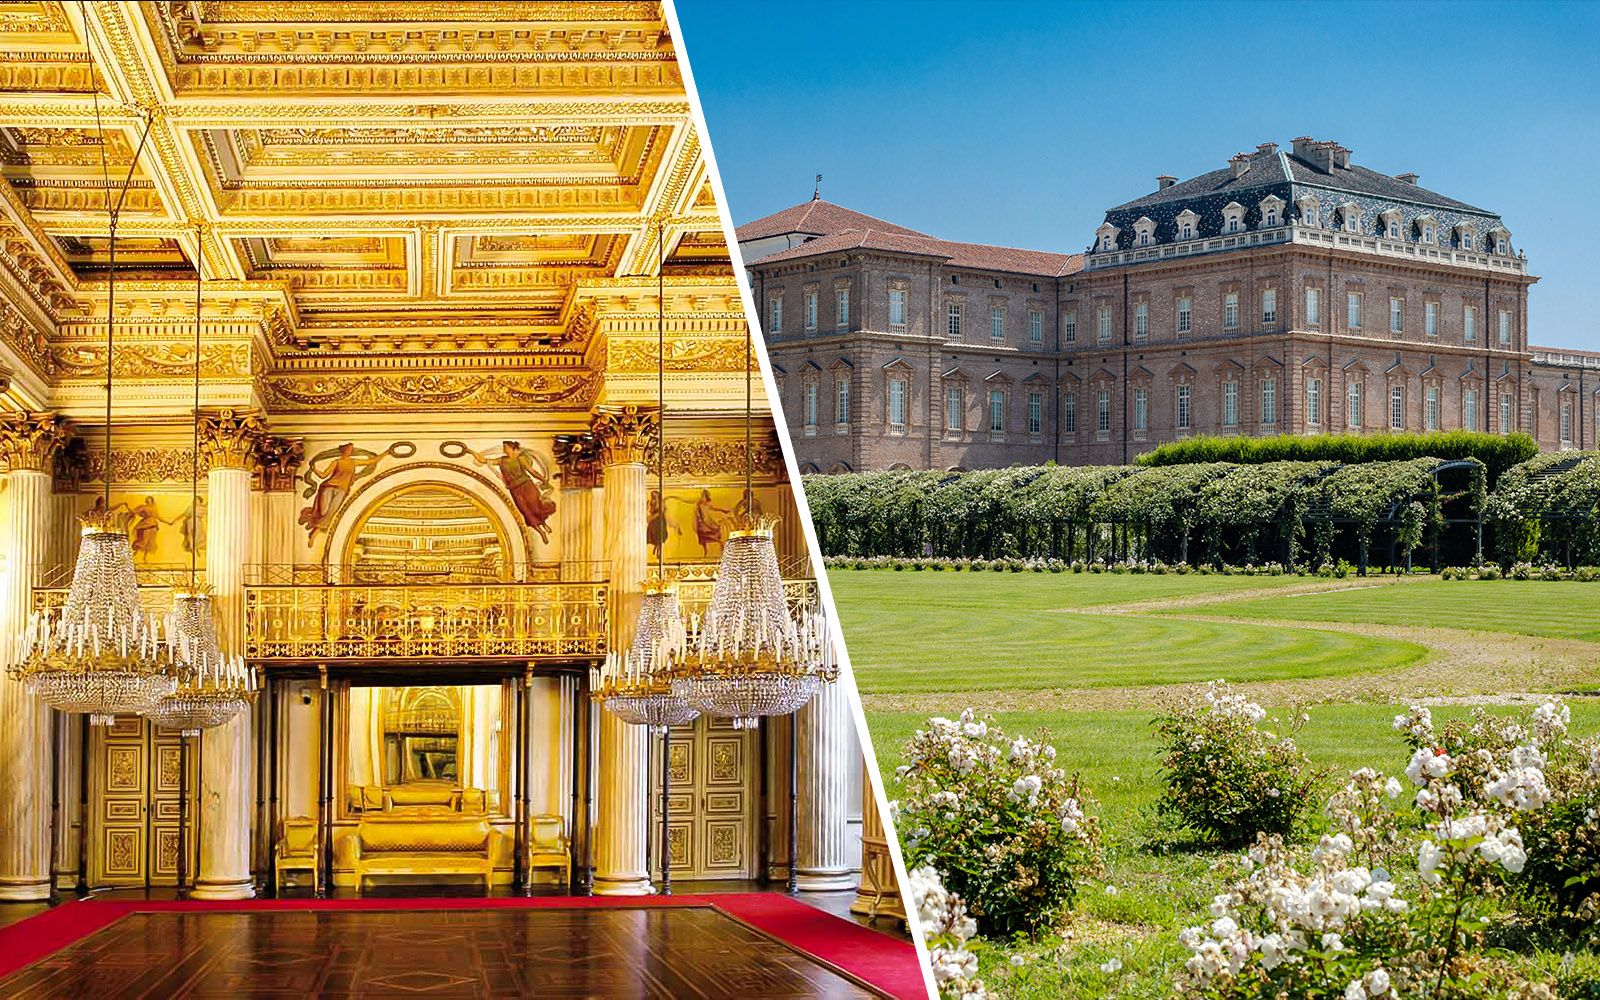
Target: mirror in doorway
x,y
426,750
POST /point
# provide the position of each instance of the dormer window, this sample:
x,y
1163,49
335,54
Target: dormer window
x,y
1107,237
1500,241
1309,215
1187,223
1233,217
1392,224
1271,211
1145,230
1350,217
1427,229
1464,236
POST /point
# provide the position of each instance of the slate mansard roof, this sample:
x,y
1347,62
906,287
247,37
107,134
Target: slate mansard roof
x,y
1319,170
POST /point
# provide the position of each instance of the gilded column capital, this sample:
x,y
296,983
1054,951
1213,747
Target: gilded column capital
x,y
627,433
280,458
232,439
32,440
578,455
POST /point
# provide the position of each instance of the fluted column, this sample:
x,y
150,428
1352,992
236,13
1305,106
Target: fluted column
x,y
626,435
232,441
28,445
825,763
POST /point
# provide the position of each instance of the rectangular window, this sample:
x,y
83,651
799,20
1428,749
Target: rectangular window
x,y
811,407
953,320
1103,332
1102,411
897,308
811,311
953,405
1505,327
1397,407
1505,413
1314,402
1141,410
1469,324
1230,404
1035,326
841,308
1269,307
1069,413
1230,311
1035,413
1069,328
1352,316
1313,307
1352,404
1181,412
1397,315
1141,321
1469,410
1430,321
775,317
1269,401
997,322
1566,423
897,402
997,411
1184,306
1431,401
841,401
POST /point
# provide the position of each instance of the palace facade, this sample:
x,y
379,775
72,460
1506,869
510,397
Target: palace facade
x,y
430,249
1290,291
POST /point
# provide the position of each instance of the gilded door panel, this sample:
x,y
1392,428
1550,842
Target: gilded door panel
x,y
712,801
134,787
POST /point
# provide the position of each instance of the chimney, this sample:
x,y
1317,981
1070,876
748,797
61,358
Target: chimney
x,y
1165,181
1407,179
1340,156
1301,146
1267,149
1239,163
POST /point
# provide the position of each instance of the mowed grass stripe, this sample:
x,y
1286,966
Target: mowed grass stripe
x,y
1563,610
920,632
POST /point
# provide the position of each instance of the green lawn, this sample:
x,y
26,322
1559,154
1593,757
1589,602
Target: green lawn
x,y
1522,607
911,632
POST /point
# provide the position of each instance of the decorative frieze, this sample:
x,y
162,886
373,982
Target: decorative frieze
x,y
720,458
427,391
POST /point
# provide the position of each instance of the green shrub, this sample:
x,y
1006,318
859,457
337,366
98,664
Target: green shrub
x,y
1498,452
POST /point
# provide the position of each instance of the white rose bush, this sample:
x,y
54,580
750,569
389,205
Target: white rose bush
x,y
1491,813
946,929
1006,830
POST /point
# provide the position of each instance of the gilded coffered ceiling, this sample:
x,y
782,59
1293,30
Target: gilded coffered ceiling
x,y
354,179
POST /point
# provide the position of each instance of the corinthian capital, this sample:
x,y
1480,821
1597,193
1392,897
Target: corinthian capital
x,y
232,439
627,433
578,455
31,440
280,458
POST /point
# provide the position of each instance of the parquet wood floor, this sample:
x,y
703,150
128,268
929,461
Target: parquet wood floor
x,y
549,952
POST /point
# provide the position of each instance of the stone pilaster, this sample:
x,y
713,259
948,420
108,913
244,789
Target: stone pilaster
x,y
232,440
28,445
826,759
626,435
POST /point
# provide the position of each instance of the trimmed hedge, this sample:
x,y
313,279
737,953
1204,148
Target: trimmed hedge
x,y
1498,452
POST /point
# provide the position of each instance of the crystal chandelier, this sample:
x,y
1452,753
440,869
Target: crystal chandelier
x,y
101,655
219,687
636,686
748,656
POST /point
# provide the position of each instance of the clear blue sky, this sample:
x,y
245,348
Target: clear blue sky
x,y
1020,123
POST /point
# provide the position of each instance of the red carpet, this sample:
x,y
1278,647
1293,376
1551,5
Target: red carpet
x,y
887,964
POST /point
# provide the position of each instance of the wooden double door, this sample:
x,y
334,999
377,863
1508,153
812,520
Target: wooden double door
x,y
714,787
134,804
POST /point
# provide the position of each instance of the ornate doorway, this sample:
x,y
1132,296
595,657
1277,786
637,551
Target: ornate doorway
x,y
134,800
714,791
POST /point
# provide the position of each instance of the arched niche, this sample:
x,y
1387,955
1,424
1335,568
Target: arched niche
x,y
460,493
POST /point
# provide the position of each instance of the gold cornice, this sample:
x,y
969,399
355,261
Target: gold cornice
x,y
32,440
627,433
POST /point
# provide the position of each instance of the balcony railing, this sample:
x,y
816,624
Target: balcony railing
x,y
509,621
